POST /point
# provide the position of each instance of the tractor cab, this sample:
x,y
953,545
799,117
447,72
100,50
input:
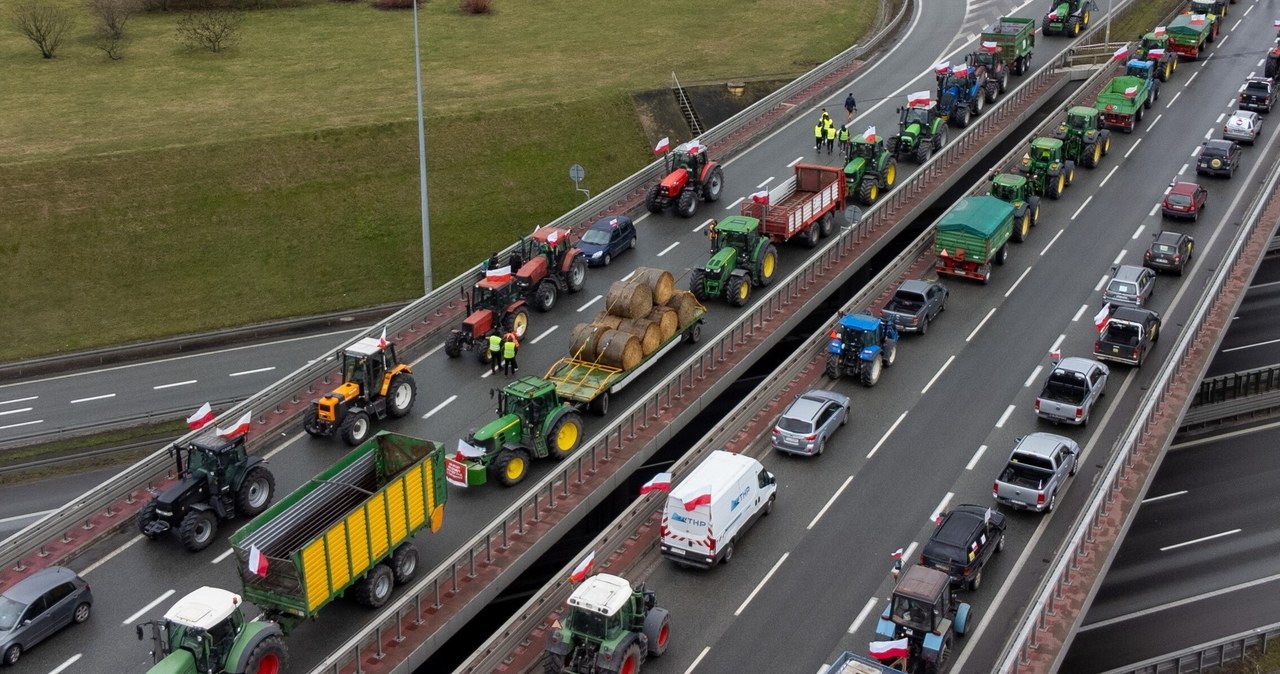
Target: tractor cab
x,y
605,607
365,365
1009,187
917,114
854,333
1139,68
983,58
1044,155
692,158
202,627
866,149
922,601
737,232
1152,41
209,455
1081,119
528,398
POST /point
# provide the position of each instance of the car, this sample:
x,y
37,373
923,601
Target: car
x,y
809,421
36,607
1184,200
1039,467
1258,93
1072,389
1130,285
606,239
915,304
1243,126
1169,251
1128,335
963,543
1218,157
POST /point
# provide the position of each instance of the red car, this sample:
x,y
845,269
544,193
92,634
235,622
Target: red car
x,y
1184,200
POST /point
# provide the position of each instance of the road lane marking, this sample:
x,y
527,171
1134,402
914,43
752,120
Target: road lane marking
x,y
1246,13
862,615
1132,148
704,224
936,375
831,500
1058,342
27,516
980,324
1033,376
734,205
1250,346
148,607
18,400
24,423
626,278
1220,116
1008,412
1198,540
1195,151
62,667
1207,136
1119,257
439,407
1014,287
942,506
1086,203
1153,499
1109,174
1152,212
1220,43
546,332
703,654
1192,79
974,461
222,556
1102,282
766,182
668,248
1138,233
764,580
886,435
1175,97
1052,241
174,384
427,355
92,398
17,411
1079,312
797,160
1153,123
590,302
261,369
1181,602
1184,166
487,374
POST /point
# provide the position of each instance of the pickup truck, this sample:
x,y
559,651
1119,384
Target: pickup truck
x,y
1037,470
1071,390
915,304
1259,94
1127,336
963,542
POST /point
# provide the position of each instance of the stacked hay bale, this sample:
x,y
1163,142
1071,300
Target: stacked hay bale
x,y
640,314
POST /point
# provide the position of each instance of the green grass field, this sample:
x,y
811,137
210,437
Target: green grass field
x,y
176,191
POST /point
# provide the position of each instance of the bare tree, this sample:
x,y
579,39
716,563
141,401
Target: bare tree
x,y
112,45
113,15
214,30
42,23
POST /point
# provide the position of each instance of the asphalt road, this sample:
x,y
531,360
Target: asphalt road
x,y
1198,563
1253,340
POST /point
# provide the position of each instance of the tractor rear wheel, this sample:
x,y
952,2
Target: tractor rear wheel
x,y
871,373
654,201
511,467
146,516
738,290
577,276
657,627
868,191
630,661
544,298
355,427
311,421
453,345
518,322
374,590
254,494
890,174
767,264
697,284
401,394
1022,226
564,435
198,530
404,563
687,204
269,657
714,186
833,366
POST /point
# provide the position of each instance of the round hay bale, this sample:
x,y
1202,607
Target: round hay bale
x,y
583,340
607,320
660,281
619,349
667,320
629,300
650,333
685,306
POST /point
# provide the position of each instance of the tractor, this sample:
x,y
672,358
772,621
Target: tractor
x,y
1067,17
921,132
375,385
925,611
961,95
610,628
549,265
1083,141
1045,169
861,346
494,307
1272,68
871,168
691,175
207,633
990,66
1015,190
1155,47
533,422
217,480
741,257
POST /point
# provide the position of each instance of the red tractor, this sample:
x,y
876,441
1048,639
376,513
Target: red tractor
x,y
691,175
494,307
1272,69
549,265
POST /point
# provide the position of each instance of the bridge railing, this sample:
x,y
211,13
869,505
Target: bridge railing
x,y
1211,656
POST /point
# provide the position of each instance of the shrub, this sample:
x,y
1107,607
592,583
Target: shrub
x,y
475,6
112,45
113,15
43,24
214,30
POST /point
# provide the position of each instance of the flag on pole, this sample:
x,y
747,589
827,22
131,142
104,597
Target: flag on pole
x,y
1198,19
761,197
897,554
918,98
1103,315
942,68
960,70
889,650
201,418
694,147
659,482
990,47
240,428
662,146
701,498
583,568
1159,30
1155,54
257,562
499,275
553,237
1120,53
1055,356
382,341
870,134
1131,92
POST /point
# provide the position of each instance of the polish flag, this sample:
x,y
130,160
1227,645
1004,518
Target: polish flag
x,y
703,497
662,146
501,274
660,482
889,650
467,450
990,47
897,554
1159,30
1053,15
201,418
382,341
1198,19
1120,53
257,562
240,428
918,98
695,147
942,68
553,237
960,71
1155,54
870,134
761,197
1131,92
1103,316
583,568
1276,23
1055,356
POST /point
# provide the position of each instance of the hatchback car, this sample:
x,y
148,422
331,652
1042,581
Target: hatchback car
x,y
809,422
608,238
38,606
1170,251
1132,286
1243,126
1184,200
1218,157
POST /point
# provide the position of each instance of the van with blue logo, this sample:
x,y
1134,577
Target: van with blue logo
x,y
712,507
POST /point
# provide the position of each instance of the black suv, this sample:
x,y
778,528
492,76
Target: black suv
x,y
1218,157
1259,94
1170,251
963,542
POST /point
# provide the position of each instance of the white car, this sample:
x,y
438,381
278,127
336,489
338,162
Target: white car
x,y
1243,126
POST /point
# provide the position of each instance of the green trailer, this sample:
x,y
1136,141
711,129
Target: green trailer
x,y
1189,33
1014,38
1121,102
971,235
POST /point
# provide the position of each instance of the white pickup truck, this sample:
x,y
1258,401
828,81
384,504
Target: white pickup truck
x,y
1038,468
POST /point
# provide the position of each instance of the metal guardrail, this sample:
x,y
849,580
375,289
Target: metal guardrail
x,y
1231,397
1208,656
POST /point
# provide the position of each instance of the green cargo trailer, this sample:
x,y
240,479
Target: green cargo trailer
x,y
971,235
1121,102
1014,37
1188,33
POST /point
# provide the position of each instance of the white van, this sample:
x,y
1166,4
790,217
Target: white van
x,y
711,508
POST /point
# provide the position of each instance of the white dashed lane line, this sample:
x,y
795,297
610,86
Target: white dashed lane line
x,y
1109,174
1101,282
980,324
1079,312
862,615
546,332
19,400
937,374
1199,540
1051,242
19,410
142,611
797,160
978,455
1119,257
92,398
1008,412
219,558
63,667
174,384
1138,233
668,248
590,302
261,369
703,226
942,507
1162,497
734,205
24,423
1082,207
1032,377
1175,97
1132,148
1153,123
441,406
886,435
766,182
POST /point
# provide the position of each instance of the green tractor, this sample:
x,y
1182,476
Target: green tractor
x,y
1067,17
871,168
741,257
921,132
1083,141
533,422
610,628
1047,172
1157,48
1015,190
206,633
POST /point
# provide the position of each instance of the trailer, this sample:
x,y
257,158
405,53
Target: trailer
x,y
1188,33
852,663
813,195
1014,38
1121,102
972,235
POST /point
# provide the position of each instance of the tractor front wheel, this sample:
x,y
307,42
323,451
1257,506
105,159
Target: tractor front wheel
x,y
890,353
355,427
1033,203
1069,168
697,284
687,204
1057,183
868,191
923,152
600,405
767,264
890,174
654,201
254,494
578,272
270,656
1105,141
453,345
198,530
146,516
518,322
714,186
738,290
311,421
1090,155
401,394
564,435
544,298
511,467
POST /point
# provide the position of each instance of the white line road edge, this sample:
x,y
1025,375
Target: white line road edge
x,y
886,435
862,615
764,580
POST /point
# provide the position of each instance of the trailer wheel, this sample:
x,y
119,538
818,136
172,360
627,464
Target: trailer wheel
x,y
600,406
355,427
695,333
269,657
1002,255
404,563
374,590
254,494
826,225
657,627
198,530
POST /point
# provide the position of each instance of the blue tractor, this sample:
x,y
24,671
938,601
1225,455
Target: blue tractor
x,y
861,346
926,613
961,94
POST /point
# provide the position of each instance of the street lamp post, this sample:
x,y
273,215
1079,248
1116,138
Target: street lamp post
x,y
422,159
1107,38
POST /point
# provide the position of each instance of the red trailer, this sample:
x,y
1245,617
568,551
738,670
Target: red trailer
x,y
813,195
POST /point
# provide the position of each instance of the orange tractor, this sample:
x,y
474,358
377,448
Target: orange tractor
x,y
494,307
691,175
375,385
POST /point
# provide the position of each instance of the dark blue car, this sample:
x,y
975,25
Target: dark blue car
x,y
607,239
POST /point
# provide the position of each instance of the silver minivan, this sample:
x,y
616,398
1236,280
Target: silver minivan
x,y
38,606
809,421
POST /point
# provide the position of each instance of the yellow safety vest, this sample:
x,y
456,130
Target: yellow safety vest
x,y
508,350
831,133
817,130
495,343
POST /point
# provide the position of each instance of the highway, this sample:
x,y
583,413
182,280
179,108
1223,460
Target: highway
x,y
1198,563
1253,340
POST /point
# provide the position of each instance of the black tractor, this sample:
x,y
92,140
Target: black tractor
x,y
217,480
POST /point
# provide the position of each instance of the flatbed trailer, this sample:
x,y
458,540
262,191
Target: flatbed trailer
x,y
809,198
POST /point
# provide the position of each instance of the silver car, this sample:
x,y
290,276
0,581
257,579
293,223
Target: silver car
x,y
809,421
1131,286
38,606
1243,126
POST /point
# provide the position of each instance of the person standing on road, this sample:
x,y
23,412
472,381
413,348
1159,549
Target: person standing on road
x,y
831,138
819,135
850,106
844,140
495,352
509,348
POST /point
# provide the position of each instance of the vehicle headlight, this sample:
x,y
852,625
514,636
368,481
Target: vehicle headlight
x,y
596,255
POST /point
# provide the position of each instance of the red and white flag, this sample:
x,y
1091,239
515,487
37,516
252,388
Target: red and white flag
x,y
1276,23
1159,30
553,237
382,341
918,98
990,47
897,554
1155,54
1102,317
761,197
583,568
960,70
238,429
257,562
1131,92
942,68
870,134
701,498
501,274
694,146
467,450
1198,19
1055,356
201,418
659,482
662,146
1120,53
889,650
1053,15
